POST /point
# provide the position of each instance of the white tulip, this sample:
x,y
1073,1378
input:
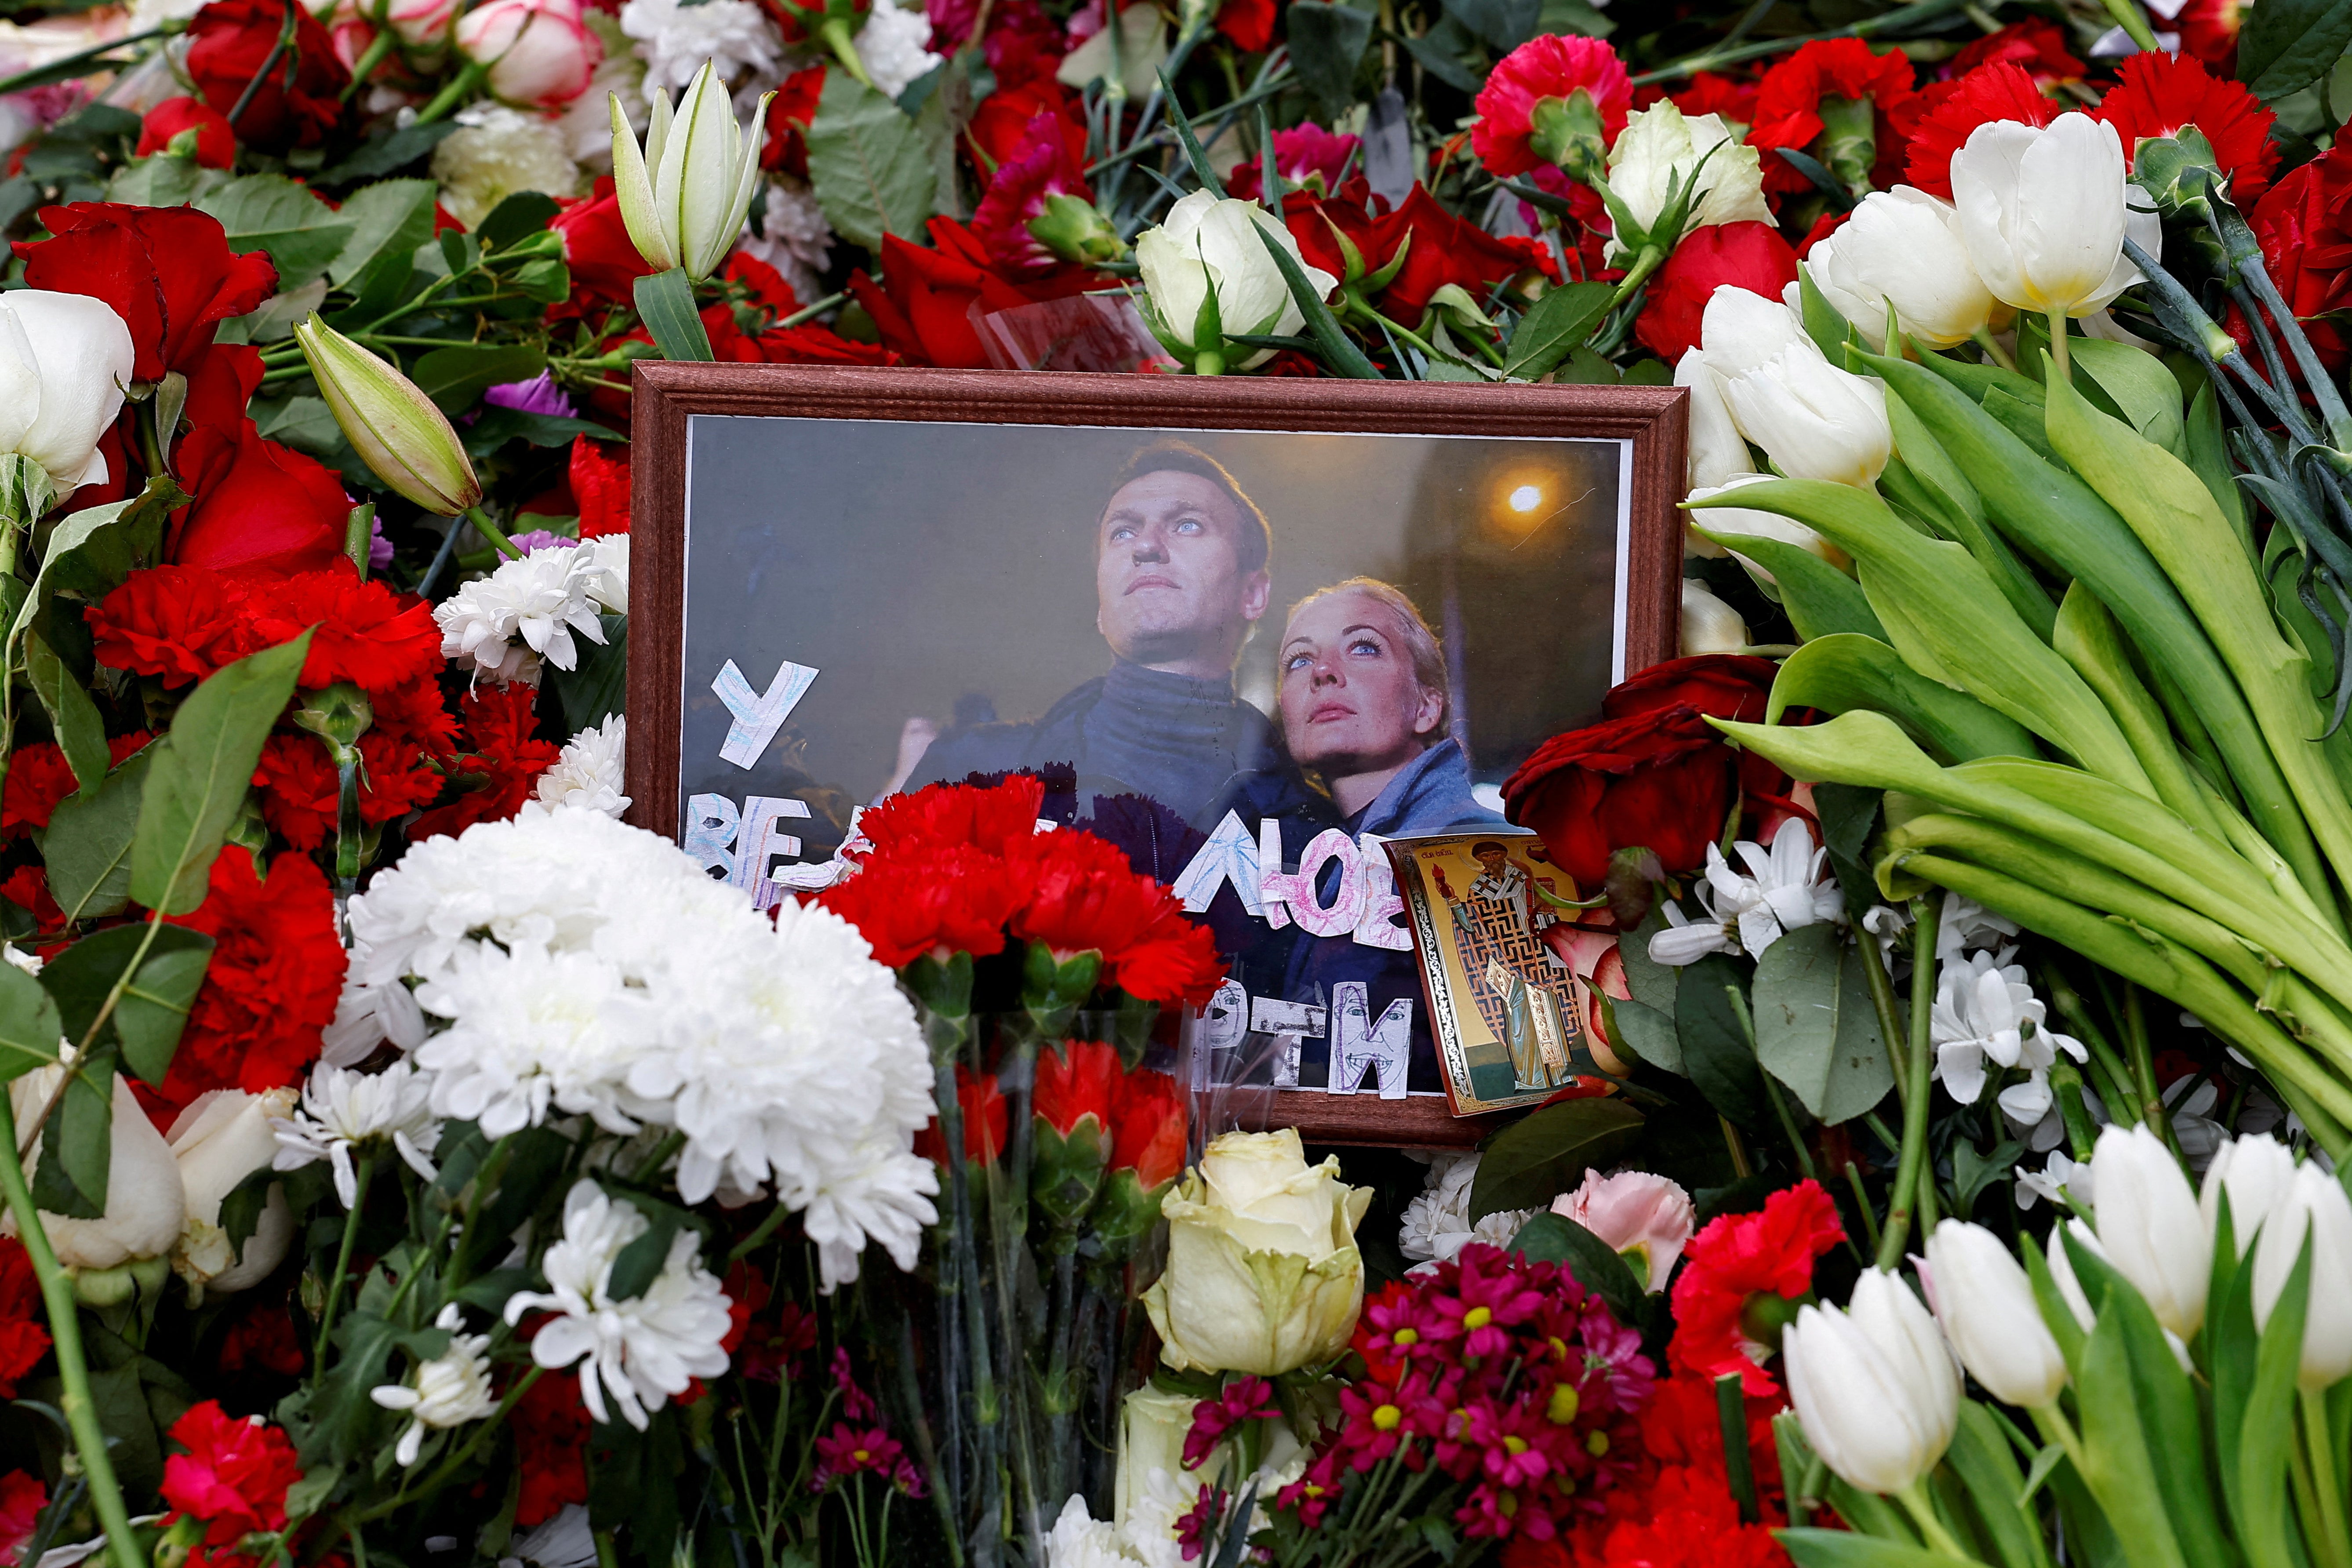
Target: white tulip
x,y
218,1140
1816,421
1902,247
2062,1275
1739,332
1659,148
64,362
2255,1169
144,1207
2313,1205
2149,1225
1985,1302
2043,212
1716,451
1749,523
1874,1385
1211,242
1709,625
684,196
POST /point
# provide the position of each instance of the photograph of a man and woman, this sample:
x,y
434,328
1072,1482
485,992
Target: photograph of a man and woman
x,y
1248,658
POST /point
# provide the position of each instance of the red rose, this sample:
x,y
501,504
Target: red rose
x,y
1004,116
1445,249
2305,225
216,142
234,1475
2209,30
2034,45
166,271
1737,1258
604,259
1750,256
789,119
1950,110
22,1339
499,766
2157,94
600,487
299,97
258,505
1727,686
1550,66
1307,157
1789,103
275,973
924,303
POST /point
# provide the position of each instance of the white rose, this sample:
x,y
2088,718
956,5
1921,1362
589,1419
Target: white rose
x,y
220,1140
144,1207
1661,145
1208,242
64,362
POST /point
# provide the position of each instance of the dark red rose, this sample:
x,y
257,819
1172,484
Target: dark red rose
x,y
216,142
258,505
299,98
789,119
924,303
166,271
2034,45
603,261
1724,686
2305,225
1750,256
1439,247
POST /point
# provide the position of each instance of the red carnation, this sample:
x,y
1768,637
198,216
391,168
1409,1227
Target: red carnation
x,y
958,901
2209,31
216,142
365,635
179,623
1792,94
1708,93
600,487
299,98
1081,1078
500,765
789,119
1248,23
262,1339
2034,45
981,1105
1086,899
276,970
1040,168
166,271
1553,64
1954,109
1004,116
1750,256
1737,1259
1147,1136
551,1429
2158,94
23,1340
998,819
22,1499
234,1475
39,779
2305,225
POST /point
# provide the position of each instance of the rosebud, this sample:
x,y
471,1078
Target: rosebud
x,y
1207,274
538,54
2149,1223
684,195
1663,155
1986,1304
2313,1205
1874,1385
397,431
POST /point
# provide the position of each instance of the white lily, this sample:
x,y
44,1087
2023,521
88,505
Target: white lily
x,y
684,195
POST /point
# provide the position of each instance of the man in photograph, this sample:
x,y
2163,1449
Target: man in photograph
x,y
1180,578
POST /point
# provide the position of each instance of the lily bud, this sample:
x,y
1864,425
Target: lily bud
x,y
2149,1225
1902,248
1986,1304
1874,1385
684,196
2255,1169
2313,1205
396,431
2043,211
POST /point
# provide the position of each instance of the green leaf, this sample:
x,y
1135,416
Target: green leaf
x,y
1845,1549
869,164
2287,45
454,378
640,1262
202,770
494,427
1985,1463
2266,1441
1327,45
162,181
1652,983
1847,816
81,733
2118,1467
1447,67
126,1417
598,687
270,212
390,217
153,1007
1822,601
1647,1032
2142,387
1716,1053
521,215
1536,1159
1555,1238
88,846
1555,326
1847,672
77,1145
1816,1029
666,302
388,153
1506,23
29,1028
92,552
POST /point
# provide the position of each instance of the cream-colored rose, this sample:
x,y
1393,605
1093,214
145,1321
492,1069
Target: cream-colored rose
x,y
1263,1272
220,1140
1661,145
144,1202
1152,1426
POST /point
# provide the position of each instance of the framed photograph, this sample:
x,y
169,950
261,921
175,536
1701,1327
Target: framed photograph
x,y
1250,629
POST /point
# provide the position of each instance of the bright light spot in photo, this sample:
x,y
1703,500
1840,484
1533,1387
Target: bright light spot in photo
x,y
1525,499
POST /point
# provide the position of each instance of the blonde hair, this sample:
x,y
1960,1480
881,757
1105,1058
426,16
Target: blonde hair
x,y
1428,653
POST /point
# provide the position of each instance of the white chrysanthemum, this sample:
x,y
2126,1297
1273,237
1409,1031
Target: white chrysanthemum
x,y
894,47
572,964
587,121
673,38
449,1390
640,1350
567,1540
343,1109
589,772
496,152
605,565
1437,1224
528,610
793,236
31,963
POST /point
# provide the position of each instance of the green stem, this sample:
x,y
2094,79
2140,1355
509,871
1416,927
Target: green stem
x,y
2143,1068
372,57
82,62
454,93
1915,1180
2135,23
2058,349
1993,350
1861,1204
2332,1531
1881,987
73,1371
489,530
1716,59
1922,1510
343,1260
810,312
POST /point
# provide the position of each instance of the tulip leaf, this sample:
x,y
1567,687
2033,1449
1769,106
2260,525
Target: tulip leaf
x,y
88,846
1534,1160
201,771
2287,45
81,732
29,1028
77,1141
2142,389
1845,1549
1551,1237
270,212
2119,1467
153,1007
1554,327
1840,674
1327,45
390,217
1816,1028
2232,1353
456,377
1822,601
870,165
1987,1466
2266,1437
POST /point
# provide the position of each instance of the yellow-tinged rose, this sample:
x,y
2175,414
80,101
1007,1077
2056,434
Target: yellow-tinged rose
x,y
1263,1272
1153,1425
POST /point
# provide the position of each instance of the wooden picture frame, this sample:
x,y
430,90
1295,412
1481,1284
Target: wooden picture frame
x,y
1650,421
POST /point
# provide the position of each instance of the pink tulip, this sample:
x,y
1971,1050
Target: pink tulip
x,y
1647,1219
538,53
